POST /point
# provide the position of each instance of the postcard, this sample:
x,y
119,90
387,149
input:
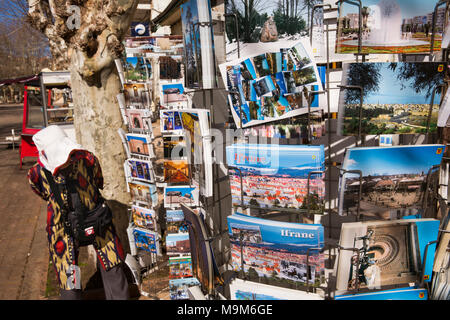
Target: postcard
x,y
136,95
196,125
178,243
405,293
144,218
171,122
137,69
300,57
276,176
276,253
172,95
389,26
392,178
174,196
274,62
297,129
146,240
198,38
139,120
143,194
139,170
203,262
260,87
249,290
396,99
179,288
174,147
176,171
391,253
180,267
175,221
170,67
140,145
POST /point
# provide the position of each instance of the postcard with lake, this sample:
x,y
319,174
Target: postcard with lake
x,y
397,97
392,178
276,176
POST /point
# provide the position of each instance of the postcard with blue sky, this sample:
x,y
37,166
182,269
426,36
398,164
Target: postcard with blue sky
x,y
390,26
396,97
276,176
276,249
392,178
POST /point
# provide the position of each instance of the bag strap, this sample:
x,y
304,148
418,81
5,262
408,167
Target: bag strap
x,y
54,188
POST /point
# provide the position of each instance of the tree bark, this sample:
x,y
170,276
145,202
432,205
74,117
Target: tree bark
x,y
96,123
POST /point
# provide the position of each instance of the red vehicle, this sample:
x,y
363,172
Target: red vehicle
x,y
52,88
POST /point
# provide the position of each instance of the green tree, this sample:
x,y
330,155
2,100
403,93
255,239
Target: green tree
x,y
366,75
286,24
425,77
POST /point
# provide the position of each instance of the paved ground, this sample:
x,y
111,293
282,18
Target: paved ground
x,y
23,244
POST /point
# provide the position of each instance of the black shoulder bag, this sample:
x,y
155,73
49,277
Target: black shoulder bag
x,y
79,222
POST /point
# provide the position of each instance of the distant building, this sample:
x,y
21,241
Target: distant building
x,y
353,20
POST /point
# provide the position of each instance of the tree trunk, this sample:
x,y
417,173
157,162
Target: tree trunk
x,y
96,123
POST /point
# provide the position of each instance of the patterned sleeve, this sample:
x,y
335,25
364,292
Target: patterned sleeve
x,y
92,162
35,180
98,175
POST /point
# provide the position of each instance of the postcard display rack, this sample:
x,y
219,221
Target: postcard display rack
x,y
373,273
135,71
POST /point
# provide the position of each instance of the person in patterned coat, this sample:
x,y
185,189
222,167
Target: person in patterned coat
x,y
67,160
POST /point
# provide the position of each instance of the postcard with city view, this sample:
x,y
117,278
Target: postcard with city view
x,y
390,26
275,252
392,178
174,196
396,98
178,243
276,176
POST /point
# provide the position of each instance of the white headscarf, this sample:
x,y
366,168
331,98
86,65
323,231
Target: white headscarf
x,y
54,147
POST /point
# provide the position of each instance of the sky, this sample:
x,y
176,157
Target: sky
x,y
390,90
172,238
282,156
409,8
183,190
174,85
393,160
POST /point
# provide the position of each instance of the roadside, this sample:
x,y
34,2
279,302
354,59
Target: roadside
x,y
23,244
